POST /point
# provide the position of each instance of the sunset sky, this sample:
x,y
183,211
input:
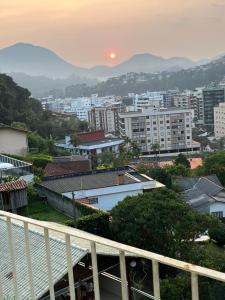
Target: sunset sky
x,y
85,32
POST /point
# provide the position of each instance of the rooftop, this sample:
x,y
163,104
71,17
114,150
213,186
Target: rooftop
x,y
67,167
38,258
99,179
13,186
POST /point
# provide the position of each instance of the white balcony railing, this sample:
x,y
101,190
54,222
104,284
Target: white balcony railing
x,y
92,241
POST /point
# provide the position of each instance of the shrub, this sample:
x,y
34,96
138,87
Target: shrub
x,y
97,223
217,233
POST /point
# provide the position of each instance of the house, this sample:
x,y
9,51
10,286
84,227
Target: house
x,y
74,164
101,189
91,144
205,194
13,140
13,195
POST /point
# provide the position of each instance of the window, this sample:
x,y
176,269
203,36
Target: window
x,y
93,200
218,214
168,127
162,140
154,122
161,122
148,129
188,137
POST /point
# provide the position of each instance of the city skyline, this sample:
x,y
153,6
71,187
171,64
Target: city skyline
x,y
86,32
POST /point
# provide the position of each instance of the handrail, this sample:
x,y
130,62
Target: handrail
x,y
194,269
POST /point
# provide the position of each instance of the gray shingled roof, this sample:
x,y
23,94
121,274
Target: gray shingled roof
x,y
189,182
199,192
38,257
92,181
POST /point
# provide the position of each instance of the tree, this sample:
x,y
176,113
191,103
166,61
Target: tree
x,y
182,160
156,172
158,221
178,170
215,164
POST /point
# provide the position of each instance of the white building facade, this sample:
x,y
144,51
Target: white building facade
x,y
171,129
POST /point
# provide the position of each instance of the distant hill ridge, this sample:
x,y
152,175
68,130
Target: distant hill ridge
x,y
39,61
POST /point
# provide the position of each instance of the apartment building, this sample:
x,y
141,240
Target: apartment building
x,y
212,96
219,121
104,118
196,103
181,100
170,129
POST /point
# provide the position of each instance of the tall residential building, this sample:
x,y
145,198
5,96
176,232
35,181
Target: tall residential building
x,y
104,118
219,121
170,129
181,100
211,97
196,103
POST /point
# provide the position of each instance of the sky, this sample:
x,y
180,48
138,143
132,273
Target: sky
x,y
85,32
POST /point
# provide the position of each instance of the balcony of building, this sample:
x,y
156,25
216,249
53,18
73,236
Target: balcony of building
x,y
43,260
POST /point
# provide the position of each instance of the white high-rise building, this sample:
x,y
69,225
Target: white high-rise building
x,y
170,129
219,121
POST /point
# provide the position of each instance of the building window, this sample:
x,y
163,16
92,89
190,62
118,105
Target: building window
x,y
93,200
154,122
148,129
218,214
162,140
188,137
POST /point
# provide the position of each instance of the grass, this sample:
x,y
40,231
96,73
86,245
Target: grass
x,y
39,210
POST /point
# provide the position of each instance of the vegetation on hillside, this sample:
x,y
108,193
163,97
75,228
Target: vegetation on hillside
x,y
139,82
18,107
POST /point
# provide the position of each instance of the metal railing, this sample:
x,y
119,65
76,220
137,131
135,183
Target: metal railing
x,y
94,240
20,168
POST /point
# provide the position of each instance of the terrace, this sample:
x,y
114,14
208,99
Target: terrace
x,y
29,271
13,167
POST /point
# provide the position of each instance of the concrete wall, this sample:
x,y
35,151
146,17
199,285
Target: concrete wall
x,y
13,141
109,197
59,202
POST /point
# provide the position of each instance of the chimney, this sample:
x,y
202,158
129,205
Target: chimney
x,y
120,178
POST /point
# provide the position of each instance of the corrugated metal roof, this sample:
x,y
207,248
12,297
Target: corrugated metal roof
x,y
13,186
92,181
38,258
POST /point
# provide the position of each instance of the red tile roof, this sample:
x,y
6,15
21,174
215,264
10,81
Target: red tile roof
x,y
91,136
67,167
13,186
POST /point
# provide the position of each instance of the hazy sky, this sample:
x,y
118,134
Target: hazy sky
x,y
84,32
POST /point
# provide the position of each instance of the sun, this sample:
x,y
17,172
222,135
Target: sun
x,y
112,55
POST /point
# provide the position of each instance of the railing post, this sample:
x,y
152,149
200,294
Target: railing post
x,y
95,270
49,267
194,286
156,284
70,267
123,275
29,263
12,255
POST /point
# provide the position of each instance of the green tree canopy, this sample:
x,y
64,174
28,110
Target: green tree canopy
x,y
182,160
158,221
215,164
156,172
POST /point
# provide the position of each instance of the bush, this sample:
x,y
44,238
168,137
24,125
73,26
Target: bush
x,y
217,233
97,223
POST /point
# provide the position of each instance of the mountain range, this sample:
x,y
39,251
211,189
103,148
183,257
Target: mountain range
x,y
38,61
43,72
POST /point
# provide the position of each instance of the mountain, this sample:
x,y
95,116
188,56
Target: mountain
x,y
40,85
191,78
38,61
35,61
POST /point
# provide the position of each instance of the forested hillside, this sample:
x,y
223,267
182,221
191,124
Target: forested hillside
x,y
16,105
140,82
